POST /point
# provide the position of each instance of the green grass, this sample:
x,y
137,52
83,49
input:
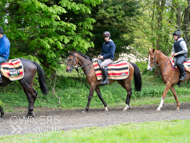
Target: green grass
x,y
73,92
174,131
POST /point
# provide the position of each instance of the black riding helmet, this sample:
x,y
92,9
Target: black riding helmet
x,y
177,33
1,30
106,34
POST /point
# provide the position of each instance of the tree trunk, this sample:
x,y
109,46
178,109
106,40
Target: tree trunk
x,y
178,15
160,8
186,25
152,25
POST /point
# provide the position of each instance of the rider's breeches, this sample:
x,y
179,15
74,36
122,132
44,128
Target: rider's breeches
x,y
105,63
179,62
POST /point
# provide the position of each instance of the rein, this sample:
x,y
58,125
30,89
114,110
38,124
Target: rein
x,y
157,65
72,66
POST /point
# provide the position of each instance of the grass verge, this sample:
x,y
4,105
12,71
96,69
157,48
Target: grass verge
x,y
174,131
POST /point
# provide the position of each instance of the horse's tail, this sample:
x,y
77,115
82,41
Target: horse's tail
x,y
41,79
137,77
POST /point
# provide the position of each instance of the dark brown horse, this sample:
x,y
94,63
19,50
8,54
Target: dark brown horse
x,y
30,70
169,76
86,64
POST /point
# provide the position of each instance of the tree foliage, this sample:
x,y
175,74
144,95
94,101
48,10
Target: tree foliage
x,y
158,20
41,28
117,17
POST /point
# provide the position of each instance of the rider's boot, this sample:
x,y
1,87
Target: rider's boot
x,y
183,76
105,77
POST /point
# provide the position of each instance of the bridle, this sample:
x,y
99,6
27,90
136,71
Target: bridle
x,y
157,65
72,66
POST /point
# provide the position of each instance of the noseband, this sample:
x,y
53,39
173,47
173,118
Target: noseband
x,y
72,66
157,65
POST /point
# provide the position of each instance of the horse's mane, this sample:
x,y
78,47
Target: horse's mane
x,y
85,56
160,52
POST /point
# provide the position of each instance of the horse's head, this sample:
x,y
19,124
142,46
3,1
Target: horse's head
x,y
151,59
71,61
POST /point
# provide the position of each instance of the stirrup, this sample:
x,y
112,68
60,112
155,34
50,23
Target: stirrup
x,y
105,82
183,78
175,66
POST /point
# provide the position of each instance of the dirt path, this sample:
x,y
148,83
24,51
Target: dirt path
x,y
51,120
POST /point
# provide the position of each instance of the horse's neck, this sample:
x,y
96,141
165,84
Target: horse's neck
x,y
162,61
83,62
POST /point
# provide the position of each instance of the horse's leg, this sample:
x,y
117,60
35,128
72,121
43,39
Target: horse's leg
x,y
167,87
129,93
32,101
31,96
127,85
175,96
92,88
100,96
2,112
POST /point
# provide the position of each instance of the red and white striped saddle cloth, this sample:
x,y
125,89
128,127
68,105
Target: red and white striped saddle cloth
x,y
13,69
117,70
186,64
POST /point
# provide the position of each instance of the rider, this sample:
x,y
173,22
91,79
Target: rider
x,y
179,51
107,55
4,49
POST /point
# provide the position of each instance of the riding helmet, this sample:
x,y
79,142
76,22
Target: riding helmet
x,y
106,34
177,33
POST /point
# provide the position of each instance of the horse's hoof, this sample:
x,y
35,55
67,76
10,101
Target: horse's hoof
x,y
177,108
27,116
1,119
158,109
30,115
126,107
84,111
106,109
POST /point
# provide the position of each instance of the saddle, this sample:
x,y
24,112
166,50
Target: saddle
x,y
117,70
12,69
186,65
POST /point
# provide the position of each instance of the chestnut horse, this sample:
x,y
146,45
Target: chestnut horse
x,y
30,70
169,76
86,64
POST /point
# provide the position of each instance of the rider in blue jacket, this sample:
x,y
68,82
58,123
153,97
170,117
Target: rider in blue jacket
x,y
4,49
106,56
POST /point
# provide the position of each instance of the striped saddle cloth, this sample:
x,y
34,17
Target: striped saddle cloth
x,y
117,70
186,65
13,69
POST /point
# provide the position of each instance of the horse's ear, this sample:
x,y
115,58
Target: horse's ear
x,y
153,50
69,52
150,49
